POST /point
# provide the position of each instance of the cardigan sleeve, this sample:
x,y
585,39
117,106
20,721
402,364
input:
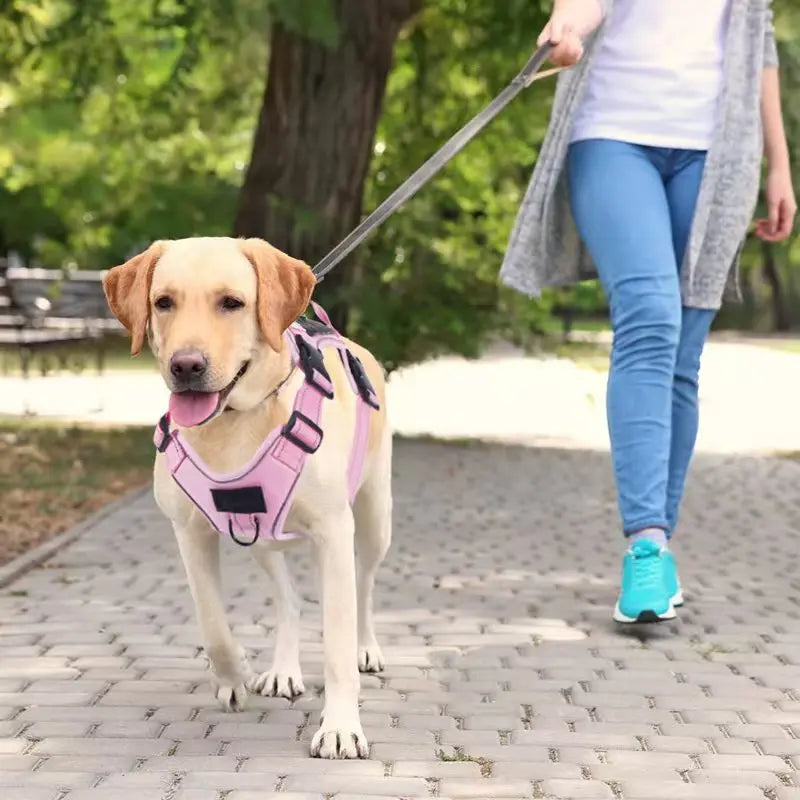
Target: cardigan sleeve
x,y
770,46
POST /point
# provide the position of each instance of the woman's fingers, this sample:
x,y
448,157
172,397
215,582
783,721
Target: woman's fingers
x,y
773,216
568,51
786,218
777,227
567,46
545,36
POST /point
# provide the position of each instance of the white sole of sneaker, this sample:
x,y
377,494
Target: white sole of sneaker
x,y
677,599
644,616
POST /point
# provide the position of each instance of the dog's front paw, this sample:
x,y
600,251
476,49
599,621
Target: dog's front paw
x,y
278,683
370,657
230,697
230,673
344,740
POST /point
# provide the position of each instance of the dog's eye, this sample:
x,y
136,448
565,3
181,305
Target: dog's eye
x,y
230,303
163,303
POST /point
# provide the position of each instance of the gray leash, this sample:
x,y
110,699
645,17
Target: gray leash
x,y
441,157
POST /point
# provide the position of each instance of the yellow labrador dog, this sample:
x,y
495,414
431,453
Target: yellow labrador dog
x,y
215,311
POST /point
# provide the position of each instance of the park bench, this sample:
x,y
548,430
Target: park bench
x,y
569,315
46,309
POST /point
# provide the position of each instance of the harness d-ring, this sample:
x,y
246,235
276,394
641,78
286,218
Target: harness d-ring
x,y
240,541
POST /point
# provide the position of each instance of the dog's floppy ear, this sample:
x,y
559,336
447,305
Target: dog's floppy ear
x,y
127,289
285,285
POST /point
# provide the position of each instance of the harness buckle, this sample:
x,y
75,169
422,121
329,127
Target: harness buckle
x,y
288,432
313,366
314,327
242,542
166,434
363,384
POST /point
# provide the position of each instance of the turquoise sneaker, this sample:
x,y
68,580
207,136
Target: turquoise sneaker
x,y
644,596
671,580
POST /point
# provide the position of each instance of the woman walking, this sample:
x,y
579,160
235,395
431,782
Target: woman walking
x,y
648,178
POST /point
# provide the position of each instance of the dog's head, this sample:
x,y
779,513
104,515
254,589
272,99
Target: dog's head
x,y
214,310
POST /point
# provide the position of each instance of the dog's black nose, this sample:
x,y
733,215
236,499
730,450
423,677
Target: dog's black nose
x,y
188,365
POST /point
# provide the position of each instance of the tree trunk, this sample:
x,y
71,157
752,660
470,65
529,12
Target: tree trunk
x,y
313,142
780,318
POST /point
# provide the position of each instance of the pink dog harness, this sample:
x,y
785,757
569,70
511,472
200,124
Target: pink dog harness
x,y
254,501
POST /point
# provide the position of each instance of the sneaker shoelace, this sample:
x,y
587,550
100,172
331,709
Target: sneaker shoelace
x,y
647,572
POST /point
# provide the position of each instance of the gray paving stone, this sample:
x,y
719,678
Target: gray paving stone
x,y
738,747
228,781
12,747
313,766
496,789
133,780
78,763
189,763
342,784
101,793
43,730
568,739
536,770
687,791
676,744
58,699
112,747
764,780
245,795
498,647
577,790
743,762
436,769
55,780
619,773
17,763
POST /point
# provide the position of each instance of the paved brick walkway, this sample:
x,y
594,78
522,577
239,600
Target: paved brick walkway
x,y
506,678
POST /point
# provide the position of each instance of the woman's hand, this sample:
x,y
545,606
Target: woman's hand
x,y
781,206
570,22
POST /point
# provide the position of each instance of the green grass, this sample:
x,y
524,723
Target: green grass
x,y
485,764
589,355
52,475
787,345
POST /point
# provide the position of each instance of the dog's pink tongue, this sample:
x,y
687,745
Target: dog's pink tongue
x,y
191,408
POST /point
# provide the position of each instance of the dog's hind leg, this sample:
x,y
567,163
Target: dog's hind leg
x,y
230,671
373,519
285,678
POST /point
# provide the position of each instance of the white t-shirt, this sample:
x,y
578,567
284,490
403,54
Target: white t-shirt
x,y
657,75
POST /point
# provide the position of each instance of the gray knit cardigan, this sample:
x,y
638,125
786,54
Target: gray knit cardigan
x,y
545,250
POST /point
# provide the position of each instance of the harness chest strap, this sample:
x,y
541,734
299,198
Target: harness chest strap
x,y
254,501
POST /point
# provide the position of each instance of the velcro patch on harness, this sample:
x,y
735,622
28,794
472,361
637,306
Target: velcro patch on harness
x,y
243,500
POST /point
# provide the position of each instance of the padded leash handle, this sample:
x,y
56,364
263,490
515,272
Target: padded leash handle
x,y
451,148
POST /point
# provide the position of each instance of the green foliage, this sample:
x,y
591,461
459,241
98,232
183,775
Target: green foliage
x,y
122,122
429,275
757,312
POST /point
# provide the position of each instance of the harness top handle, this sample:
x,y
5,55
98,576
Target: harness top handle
x,y
528,74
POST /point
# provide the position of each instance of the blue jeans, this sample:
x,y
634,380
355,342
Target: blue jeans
x,y
633,206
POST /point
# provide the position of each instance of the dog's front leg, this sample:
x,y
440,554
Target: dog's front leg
x,y
340,734
284,679
230,671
